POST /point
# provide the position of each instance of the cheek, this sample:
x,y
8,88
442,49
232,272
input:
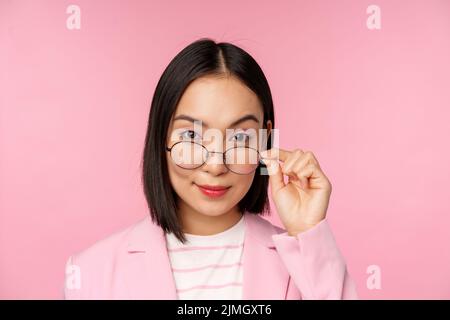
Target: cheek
x,y
242,184
179,177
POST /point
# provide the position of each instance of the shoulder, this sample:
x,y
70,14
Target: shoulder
x,y
110,245
262,223
261,228
96,265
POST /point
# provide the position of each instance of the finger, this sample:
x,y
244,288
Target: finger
x,y
276,179
295,157
311,173
296,170
293,165
276,153
312,158
299,161
306,172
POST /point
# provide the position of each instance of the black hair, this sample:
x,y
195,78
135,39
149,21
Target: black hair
x,y
200,58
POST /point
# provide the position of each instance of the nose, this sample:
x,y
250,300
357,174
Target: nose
x,y
214,164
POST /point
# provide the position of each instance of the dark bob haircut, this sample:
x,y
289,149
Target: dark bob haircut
x,y
201,58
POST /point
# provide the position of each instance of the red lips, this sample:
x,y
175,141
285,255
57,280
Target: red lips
x,y
213,191
205,186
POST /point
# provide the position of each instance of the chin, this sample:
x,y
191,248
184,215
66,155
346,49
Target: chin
x,y
212,209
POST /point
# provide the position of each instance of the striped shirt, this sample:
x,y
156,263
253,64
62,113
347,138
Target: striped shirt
x,y
208,267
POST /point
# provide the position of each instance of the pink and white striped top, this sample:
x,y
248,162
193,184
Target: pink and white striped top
x,y
208,267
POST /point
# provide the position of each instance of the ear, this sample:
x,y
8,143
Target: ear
x,y
269,128
269,131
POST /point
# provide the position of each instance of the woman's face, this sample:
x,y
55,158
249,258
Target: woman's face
x,y
219,102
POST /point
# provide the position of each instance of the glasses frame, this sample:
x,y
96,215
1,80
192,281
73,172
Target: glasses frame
x,y
209,152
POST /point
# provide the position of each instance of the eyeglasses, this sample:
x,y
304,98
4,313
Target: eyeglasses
x,y
192,155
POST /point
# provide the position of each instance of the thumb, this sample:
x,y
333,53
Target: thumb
x,y
276,179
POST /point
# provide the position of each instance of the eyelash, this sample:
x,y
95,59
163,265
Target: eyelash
x,y
190,131
182,133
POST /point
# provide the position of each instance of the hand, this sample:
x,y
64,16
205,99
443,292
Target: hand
x,y
303,201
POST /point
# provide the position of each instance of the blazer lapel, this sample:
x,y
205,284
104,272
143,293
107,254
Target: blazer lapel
x,y
149,272
149,269
265,276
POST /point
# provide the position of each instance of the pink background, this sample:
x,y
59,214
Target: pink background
x,y
372,105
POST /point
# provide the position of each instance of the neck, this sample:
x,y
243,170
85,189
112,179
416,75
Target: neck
x,y
194,222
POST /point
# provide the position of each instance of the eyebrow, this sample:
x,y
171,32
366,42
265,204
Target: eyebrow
x,y
235,123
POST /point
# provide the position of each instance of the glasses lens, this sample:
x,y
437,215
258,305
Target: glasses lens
x,y
242,160
188,155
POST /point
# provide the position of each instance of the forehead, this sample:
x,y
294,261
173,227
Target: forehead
x,y
219,101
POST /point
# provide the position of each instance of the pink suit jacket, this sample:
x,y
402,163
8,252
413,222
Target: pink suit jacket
x,y
134,264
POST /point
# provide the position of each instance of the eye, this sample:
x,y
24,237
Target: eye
x,y
188,134
242,137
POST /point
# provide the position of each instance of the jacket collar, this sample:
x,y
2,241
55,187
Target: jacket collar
x,y
151,275
147,230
